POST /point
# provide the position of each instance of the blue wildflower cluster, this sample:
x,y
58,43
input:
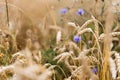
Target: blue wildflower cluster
x,y
94,70
64,10
77,39
79,11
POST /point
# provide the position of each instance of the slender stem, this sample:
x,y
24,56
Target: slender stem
x,y
7,12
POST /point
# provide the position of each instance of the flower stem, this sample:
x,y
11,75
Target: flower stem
x,y
7,14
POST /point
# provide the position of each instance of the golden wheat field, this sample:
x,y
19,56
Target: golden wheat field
x,y
59,39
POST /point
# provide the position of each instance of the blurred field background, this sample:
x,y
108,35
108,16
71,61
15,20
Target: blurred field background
x,y
59,39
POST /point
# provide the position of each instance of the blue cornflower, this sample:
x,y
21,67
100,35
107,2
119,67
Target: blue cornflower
x,y
64,10
94,70
77,39
80,12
